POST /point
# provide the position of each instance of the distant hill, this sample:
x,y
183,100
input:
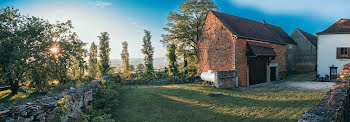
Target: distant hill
x,y
158,62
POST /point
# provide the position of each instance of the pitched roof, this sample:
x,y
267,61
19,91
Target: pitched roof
x,y
280,33
311,38
261,49
247,28
341,26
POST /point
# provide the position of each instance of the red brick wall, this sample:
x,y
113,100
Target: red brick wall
x,y
216,50
216,46
280,59
242,62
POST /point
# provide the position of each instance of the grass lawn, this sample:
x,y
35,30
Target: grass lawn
x,y
301,76
190,102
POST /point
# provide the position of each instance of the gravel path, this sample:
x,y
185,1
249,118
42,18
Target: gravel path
x,y
290,86
309,85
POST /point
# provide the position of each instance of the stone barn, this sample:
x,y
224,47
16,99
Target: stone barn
x,y
255,50
305,51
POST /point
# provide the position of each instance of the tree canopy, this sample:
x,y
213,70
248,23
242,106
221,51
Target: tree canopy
x,y
148,52
184,27
92,60
104,62
32,49
125,60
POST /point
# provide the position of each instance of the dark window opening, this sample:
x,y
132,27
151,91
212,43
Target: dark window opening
x,y
343,53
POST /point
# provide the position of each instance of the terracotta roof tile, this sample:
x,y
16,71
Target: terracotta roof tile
x,y
341,26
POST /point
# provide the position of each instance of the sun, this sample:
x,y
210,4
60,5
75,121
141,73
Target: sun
x,y
54,49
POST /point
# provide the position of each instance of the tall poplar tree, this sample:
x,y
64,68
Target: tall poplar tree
x,y
92,60
148,52
171,55
104,61
125,60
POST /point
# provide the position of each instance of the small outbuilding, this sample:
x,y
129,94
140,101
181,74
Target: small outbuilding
x,y
305,51
255,50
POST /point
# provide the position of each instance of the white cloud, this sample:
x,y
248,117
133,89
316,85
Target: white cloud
x,y
102,4
334,9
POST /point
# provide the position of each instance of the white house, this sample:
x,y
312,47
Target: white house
x,y
333,49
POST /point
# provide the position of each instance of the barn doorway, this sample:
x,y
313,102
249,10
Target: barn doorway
x,y
273,72
257,70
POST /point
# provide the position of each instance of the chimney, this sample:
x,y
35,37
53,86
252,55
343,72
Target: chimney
x,y
263,21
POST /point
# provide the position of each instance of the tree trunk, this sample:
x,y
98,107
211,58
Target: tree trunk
x,y
185,64
14,87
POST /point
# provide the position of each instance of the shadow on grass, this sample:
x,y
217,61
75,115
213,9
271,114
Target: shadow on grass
x,y
7,98
11,99
178,104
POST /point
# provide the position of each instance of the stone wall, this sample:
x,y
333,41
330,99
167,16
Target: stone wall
x,y
63,106
331,107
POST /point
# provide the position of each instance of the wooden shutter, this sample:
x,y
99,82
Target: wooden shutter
x,y
338,53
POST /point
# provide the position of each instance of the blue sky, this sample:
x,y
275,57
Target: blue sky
x,y
125,20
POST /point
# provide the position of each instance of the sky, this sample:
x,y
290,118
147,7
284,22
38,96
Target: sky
x,y
125,20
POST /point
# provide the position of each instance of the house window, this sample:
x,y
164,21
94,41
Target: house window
x,y
342,53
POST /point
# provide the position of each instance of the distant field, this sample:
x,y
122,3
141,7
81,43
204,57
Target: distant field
x,y
190,102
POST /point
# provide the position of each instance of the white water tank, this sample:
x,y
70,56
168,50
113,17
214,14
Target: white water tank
x,y
208,76
221,79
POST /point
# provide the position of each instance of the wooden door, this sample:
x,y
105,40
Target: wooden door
x,y
333,73
257,70
273,71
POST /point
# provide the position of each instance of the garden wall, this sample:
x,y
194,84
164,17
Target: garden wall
x,y
62,107
331,108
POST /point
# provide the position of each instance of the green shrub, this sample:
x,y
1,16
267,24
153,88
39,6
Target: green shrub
x,y
105,97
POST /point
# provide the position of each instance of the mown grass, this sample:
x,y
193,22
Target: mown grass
x,y
301,76
190,102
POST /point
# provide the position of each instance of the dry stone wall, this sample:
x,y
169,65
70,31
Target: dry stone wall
x,y
331,108
63,106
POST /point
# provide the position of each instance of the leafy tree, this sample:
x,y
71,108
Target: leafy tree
x,y
172,64
32,49
22,48
104,62
92,60
71,52
140,67
77,46
125,60
184,27
132,68
148,51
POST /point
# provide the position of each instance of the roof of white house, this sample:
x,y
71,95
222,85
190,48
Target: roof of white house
x,y
340,27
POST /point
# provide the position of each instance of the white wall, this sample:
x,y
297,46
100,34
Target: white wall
x,y
327,49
